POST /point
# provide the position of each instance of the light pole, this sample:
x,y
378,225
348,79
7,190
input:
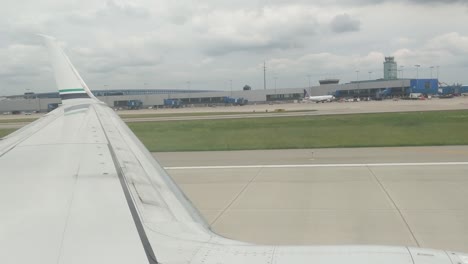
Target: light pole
x,y
38,99
402,71
417,70
230,84
432,67
370,75
437,71
276,78
188,90
417,75
357,79
27,95
106,93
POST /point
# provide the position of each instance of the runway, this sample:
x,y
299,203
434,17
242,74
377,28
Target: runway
x,y
412,196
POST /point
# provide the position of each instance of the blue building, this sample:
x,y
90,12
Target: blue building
x,y
453,89
463,89
424,86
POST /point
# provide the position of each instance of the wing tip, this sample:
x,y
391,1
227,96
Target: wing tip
x,y
69,83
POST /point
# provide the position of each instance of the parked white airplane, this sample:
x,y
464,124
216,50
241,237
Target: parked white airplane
x,y
318,99
77,186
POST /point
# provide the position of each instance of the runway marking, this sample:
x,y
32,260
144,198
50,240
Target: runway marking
x,y
319,165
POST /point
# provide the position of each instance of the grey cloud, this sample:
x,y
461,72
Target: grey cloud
x,y
112,12
432,2
113,8
344,23
20,34
25,70
108,60
438,1
422,2
180,12
114,65
256,31
223,48
121,41
375,2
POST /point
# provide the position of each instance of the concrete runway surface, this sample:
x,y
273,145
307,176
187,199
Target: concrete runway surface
x,y
411,196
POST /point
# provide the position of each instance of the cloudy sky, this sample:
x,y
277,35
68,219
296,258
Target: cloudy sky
x,y
166,43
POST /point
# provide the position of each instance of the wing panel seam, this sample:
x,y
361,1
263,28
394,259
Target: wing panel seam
x,y
128,197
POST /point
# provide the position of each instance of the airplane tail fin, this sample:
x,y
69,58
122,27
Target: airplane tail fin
x,y
69,82
306,94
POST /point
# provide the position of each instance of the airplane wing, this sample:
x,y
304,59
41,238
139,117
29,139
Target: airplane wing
x,y
77,186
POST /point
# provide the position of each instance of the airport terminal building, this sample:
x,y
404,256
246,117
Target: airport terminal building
x,y
388,87
159,98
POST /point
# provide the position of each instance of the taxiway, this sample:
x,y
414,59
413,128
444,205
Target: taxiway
x,y
409,196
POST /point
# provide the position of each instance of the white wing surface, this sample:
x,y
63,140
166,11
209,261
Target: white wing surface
x,y
77,186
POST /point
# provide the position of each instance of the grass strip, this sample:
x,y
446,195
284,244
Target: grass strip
x,y
18,120
6,131
356,130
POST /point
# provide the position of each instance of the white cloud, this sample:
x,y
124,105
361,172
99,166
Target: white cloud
x,y
328,63
447,49
243,30
18,57
452,42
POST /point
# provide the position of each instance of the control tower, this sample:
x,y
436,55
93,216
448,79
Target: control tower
x,y
390,68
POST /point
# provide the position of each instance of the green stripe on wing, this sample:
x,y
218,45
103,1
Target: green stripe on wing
x,y
72,90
